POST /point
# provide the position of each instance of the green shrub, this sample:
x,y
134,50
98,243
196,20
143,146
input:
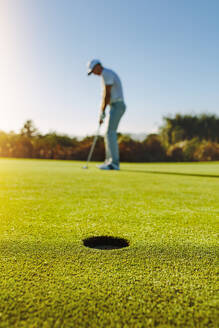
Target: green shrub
x,y
154,148
207,151
189,148
175,152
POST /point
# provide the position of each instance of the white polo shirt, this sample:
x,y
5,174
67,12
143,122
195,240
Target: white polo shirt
x,y
111,78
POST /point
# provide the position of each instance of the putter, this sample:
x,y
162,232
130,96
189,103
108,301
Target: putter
x,y
92,147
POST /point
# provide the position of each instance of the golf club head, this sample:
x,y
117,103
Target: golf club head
x,y
85,167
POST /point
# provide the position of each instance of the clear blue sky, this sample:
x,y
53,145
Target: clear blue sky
x,y
165,51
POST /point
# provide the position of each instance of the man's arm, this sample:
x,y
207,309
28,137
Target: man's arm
x,y
106,99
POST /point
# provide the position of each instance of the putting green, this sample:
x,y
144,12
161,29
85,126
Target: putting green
x,y
165,278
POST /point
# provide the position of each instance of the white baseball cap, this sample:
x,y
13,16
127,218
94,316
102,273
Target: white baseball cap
x,y
91,64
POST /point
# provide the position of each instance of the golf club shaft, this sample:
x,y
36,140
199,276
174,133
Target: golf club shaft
x,y
93,145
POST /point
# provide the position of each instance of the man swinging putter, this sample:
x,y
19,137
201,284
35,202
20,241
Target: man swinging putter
x,y
112,96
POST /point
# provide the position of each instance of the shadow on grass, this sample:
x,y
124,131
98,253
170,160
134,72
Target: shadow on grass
x,y
172,173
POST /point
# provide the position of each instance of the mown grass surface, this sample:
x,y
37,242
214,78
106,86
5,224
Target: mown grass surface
x,y
165,278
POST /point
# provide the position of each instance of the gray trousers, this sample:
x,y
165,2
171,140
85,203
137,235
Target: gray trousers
x,y
111,145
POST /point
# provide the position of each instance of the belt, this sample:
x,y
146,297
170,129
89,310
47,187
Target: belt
x,y
116,100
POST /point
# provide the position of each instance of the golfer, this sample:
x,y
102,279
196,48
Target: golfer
x,y
112,96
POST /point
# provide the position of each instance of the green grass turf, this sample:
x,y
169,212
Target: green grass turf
x,y
166,278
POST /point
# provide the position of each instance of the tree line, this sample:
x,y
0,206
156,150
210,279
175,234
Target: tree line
x,y
180,138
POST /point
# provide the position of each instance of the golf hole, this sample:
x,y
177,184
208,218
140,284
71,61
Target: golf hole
x,y
105,242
